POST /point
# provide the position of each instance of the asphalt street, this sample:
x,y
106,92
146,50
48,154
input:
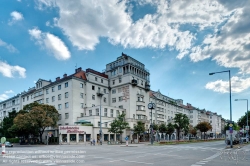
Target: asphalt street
x,y
193,154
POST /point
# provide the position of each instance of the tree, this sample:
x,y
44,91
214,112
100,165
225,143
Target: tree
x,y
204,127
162,128
7,123
181,122
192,130
243,120
36,118
170,129
118,125
139,128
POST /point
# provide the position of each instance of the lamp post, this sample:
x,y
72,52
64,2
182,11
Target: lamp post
x,y
100,94
231,140
151,106
247,115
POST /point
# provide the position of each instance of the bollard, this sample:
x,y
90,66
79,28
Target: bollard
x,y
126,143
3,148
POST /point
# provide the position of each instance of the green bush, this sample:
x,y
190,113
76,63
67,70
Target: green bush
x,y
13,140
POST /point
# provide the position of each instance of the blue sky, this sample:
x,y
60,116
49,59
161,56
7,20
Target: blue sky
x,y
180,42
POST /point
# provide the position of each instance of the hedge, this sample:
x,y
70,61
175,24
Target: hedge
x,y
13,140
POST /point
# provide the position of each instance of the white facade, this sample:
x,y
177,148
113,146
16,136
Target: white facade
x,y
125,86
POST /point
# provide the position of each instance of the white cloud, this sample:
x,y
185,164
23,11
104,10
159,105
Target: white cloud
x,y
51,43
9,47
9,91
11,71
3,97
237,85
16,16
224,22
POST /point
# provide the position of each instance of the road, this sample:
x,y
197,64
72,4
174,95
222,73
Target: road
x,y
193,154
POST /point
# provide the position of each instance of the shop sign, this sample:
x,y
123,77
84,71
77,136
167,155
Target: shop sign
x,y
71,129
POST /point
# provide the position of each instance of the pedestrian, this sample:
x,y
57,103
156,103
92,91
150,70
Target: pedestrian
x,y
91,141
94,142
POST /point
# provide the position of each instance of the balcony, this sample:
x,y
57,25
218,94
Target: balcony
x,y
134,82
147,86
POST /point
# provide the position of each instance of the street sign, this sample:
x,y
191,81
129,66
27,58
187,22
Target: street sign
x,y
126,138
247,127
230,125
231,129
3,140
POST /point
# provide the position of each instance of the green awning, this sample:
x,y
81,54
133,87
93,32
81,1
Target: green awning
x,y
82,121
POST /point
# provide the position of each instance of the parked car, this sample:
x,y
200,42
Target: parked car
x,y
244,139
7,144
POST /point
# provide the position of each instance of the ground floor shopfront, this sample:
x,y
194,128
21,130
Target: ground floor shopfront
x,y
78,134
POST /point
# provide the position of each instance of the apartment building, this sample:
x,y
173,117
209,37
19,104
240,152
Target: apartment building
x,y
80,98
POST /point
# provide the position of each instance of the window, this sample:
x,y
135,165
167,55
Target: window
x,y
81,85
117,113
140,98
27,98
93,105
67,105
47,91
66,123
113,100
120,69
104,90
106,124
81,95
59,97
53,98
95,78
105,112
66,115
59,87
120,98
120,106
81,114
59,117
113,91
113,82
66,84
142,83
66,94
23,99
111,113
133,116
120,80
119,90
53,89
97,112
93,97
47,100
93,87
101,80
82,105
104,100
98,124
59,106
90,112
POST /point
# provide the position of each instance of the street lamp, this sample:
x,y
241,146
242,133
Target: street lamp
x,y
231,140
100,94
151,106
247,115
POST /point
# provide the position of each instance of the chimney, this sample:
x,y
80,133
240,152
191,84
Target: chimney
x,y
79,69
57,78
65,75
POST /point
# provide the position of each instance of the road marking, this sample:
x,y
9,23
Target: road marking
x,y
200,163
51,164
129,161
195,165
